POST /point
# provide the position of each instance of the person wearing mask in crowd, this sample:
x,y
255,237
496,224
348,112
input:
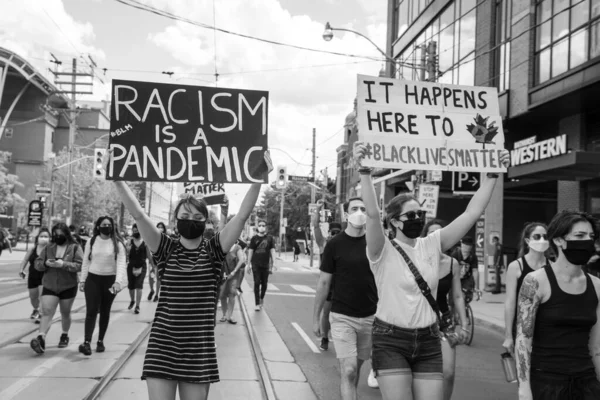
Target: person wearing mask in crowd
x,y
261,254
469,266
103,275
60,261
181,355
354,297
136,268
234,261
593,265
558,332
498,257
153,277
407,355
76,236
451,302
532,256
34,277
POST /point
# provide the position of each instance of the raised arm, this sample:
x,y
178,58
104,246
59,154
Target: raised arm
x,y
594,343
452,233
375,233
529,301
510,306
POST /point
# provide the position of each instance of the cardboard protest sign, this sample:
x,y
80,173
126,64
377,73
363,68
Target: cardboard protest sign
x,y
212,193
180,133
429,126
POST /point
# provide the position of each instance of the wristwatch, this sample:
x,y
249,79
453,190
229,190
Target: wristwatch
x,y
365,170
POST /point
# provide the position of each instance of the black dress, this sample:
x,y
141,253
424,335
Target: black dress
x,y
137,259
34,278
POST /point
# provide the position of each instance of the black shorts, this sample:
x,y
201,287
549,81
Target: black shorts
x,y
34,279
546,386
135,282
66,294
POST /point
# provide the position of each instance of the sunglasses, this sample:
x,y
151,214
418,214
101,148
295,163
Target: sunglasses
x,y
539,236
412,215
333,233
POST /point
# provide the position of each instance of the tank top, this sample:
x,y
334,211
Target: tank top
x,y
562,330
138,255
444,286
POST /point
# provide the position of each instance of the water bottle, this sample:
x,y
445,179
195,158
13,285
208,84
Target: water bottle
x,y
510,367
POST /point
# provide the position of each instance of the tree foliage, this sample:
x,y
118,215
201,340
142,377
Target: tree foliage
x,y
8,182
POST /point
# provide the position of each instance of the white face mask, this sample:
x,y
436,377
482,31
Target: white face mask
x,y
43,241
357,219
261,229
539,245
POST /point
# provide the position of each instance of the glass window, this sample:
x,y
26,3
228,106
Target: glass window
x,y
447,17
467,34
457,40
506,71
579,44
544,11
595,40
543,35
445,48
466,73
560,5
560,26
595,8
544,66
467,5
580,14
403,17
560,57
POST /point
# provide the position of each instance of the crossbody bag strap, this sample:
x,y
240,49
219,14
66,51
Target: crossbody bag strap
x,y
423,286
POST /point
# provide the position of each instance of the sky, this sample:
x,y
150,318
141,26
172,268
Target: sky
x,y
306,89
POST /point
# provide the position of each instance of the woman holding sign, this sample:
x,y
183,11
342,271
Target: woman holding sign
x,y
407,355
181,352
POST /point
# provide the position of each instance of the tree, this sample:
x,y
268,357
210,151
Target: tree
x,y
8,182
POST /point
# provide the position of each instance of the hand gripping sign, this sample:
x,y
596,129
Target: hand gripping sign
x,y
177,133
429,126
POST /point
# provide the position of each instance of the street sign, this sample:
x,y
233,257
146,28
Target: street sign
x,y
297,178
428,198
35,215
41,191
434,176
312,207
480,239
465,182
284,222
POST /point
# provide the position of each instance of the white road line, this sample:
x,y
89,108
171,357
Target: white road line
x,y
286,269
13,390
14,297
292,294
304,336
303,289
9,279
272,288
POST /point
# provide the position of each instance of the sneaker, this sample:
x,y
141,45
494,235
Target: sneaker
x,y
151,295
85,349
324,344
37,319
137,310
131,304
156,298
64,341
34,314
38,344
100,347
257,308
372,381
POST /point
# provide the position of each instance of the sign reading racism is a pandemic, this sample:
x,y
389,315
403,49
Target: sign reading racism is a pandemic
x,y
429,126
177,133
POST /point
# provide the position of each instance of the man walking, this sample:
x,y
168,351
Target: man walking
x,y
261,254
354,301
469,272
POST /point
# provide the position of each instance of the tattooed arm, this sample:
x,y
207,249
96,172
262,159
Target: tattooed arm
x,y
528,303
594,343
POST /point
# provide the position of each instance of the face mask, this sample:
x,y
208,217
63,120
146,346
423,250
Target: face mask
x,y
261,230
136,235
357,219
60,239
43,241
579,252
539,245
190,229
105,230
412,228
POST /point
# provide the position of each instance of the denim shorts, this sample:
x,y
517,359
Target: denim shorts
x,y
547,386
400,351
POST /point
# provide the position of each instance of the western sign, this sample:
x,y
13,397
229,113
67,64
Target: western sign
x,y
177,133
529,150
429,126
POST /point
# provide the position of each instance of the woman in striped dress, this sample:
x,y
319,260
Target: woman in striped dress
x,y
181,351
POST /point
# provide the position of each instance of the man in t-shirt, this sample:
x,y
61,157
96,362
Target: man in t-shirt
x,y
261,254
354,301
467,258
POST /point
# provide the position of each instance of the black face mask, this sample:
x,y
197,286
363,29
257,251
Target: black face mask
x,y
190,229
136,235
579,252
60,239
412,228
105,230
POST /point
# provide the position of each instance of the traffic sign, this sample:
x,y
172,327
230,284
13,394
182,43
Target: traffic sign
x,y
312,207
428,199
41,191
297,178
465,182
35,215
284,222
480,239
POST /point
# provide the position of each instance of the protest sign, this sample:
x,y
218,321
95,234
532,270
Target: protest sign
x,y
179,133
428,199
212,193
429,126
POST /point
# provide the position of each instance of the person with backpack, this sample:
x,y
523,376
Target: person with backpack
x,y
136,268
103,275
34,277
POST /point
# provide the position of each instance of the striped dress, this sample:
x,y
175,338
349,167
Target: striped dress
x,y
182,340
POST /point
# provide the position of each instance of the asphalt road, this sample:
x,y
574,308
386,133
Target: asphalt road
x,y
290,302
10,282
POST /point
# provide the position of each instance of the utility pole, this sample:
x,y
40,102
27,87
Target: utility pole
x,y
150,201
423,63
313,194
281,227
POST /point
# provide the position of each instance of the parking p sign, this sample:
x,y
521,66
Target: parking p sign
x,y
34,217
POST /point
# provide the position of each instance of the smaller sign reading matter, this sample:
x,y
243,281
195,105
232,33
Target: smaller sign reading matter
x,y
212,193
428,198
35,215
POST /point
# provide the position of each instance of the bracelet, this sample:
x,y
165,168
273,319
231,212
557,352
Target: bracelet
x,y
493,175
365,170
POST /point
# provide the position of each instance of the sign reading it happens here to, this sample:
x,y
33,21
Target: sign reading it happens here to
x,y
429,126
180,133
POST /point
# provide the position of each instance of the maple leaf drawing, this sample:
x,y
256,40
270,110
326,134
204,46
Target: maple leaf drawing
x,y
481,131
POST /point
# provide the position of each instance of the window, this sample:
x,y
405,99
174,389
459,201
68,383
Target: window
x,y
503,37
567,35
408,11
8,133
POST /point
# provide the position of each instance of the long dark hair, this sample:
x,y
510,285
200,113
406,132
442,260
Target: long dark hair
x,y
191,201
160,224
65,229
394,208
525,233
563,222
42,230
115,236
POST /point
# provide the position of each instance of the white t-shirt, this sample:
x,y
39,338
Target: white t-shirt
x,y
401,302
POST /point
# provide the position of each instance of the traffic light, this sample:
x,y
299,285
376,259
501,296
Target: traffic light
x,y
281,182
99,171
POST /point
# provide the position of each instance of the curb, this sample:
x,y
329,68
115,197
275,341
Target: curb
x,y
497,328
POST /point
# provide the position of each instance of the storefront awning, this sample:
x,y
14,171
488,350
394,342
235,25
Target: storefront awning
x,y
573,166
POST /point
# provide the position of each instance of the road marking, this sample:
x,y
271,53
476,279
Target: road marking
x,y
9,279
303,289
291,294
272,288
304,336
13,390
286,269
13,298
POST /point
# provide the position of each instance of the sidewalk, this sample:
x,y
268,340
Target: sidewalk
x,y
489,311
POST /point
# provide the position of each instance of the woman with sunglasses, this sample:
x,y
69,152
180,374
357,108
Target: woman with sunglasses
x,y
153,276
407,355
532,256
181,355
